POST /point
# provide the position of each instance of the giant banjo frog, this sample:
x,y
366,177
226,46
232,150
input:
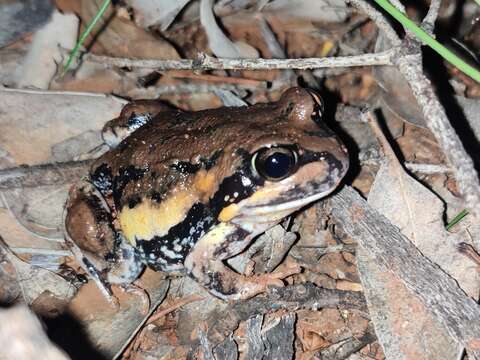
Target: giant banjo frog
x,y
187,190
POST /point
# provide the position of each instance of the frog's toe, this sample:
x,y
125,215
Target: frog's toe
x,y
141,293
288,270
257,284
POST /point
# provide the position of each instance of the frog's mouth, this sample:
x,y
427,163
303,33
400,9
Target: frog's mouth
x,y
278,210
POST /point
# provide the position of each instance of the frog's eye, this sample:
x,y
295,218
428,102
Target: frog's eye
x,y
275,163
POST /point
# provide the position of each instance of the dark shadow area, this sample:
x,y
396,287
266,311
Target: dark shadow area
x,y
437,71
68,334
331,101
451,26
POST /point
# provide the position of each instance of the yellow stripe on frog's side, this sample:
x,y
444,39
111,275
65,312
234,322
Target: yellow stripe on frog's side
x,y
148,219
228,213
205,182
218,234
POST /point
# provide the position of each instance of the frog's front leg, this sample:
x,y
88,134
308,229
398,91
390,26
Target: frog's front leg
x,y
101,250
205,265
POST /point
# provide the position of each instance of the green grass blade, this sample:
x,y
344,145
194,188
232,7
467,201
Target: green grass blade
x,y
430,41
84,35
456,219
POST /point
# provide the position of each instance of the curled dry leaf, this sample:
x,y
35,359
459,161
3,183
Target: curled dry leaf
x,y
220,44
405,327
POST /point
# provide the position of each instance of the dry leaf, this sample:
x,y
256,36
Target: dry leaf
x,y
120,37
32,124
34,281
44,55
19,17
395,93
314,10
154,12
404,325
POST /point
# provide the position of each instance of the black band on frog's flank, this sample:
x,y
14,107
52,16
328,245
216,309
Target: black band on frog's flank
x,y
198,221
125,176
101,178
179,239
186,167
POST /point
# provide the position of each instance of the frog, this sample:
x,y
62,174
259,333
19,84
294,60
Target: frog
x,y
187,190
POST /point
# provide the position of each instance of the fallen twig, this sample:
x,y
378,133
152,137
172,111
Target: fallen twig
x,y
205,62
182,302
44,174
156,91
293,297
428,22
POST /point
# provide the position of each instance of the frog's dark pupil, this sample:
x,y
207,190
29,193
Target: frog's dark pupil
x,y
275,165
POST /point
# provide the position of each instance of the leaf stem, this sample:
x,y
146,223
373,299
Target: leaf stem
x,y
84,35
430,41
456,219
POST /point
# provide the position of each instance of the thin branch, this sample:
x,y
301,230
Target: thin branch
x,y
190,88
379,20
402,9
437,121
291,298
428,23
398,5
205,62
41,251
42,175
428,169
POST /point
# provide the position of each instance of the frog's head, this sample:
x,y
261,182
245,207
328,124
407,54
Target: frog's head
x,y
292,160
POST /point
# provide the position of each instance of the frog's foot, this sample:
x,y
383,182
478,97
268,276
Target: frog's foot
x,y
95,274
256,284
141,293
228,285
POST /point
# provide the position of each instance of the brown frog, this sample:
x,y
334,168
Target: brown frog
x,y
187,190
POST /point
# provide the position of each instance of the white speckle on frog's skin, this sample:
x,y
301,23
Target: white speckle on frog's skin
x,y
177,247
152,256
235,194
246,181
169,253
226,198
